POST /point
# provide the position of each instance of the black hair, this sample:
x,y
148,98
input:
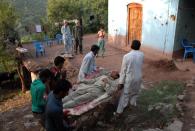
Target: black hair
x,y
94,48
135,45
101,26
118,75
58,60
45,74
62,85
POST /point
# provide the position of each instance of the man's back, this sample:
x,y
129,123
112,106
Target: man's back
x,y
87,66
54,114
37,91
134,61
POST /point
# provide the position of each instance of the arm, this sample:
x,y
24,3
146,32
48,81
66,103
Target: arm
x,y
81,31
88,81
40,96
74,31
62,30
98,34
58,121
112,86
123,72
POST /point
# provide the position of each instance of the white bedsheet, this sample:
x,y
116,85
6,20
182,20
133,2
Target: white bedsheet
x,y
79,110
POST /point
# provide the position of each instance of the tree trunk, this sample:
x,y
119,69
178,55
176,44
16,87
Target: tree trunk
x,y
21,80
19,63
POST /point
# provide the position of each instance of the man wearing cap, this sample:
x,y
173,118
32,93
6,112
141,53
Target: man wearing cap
x,y
67,37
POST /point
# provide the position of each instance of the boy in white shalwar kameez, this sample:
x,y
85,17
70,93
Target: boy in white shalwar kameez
x,y
130,76
88,64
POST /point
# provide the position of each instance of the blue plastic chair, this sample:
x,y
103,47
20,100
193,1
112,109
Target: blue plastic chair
x,y
188,48
48,41
59,38
39,48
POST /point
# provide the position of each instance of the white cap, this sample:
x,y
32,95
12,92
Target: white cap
x,y
65,21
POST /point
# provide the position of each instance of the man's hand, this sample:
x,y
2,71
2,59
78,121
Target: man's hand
x,y
120,86
105,80
97,68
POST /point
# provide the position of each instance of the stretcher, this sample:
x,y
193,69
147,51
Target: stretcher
x,y
88,114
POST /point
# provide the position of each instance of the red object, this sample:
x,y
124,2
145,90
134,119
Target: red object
x,y
66,112
55,70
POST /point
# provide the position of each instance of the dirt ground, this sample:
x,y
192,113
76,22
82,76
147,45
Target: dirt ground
x,y
153,71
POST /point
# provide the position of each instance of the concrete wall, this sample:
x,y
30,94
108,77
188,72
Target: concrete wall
x,y
185,23
159,23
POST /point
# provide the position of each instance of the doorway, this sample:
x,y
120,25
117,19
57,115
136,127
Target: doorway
x,y
134,21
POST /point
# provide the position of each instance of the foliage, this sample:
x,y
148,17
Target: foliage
x,y
76,9
31,12
31,37
164,92
7,61
8,20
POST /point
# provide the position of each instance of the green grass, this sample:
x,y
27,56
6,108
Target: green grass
x,y
164,92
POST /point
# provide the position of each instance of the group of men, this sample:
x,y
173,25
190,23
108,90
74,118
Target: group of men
x,y
50,92
47,92
73,41
130,76
69,45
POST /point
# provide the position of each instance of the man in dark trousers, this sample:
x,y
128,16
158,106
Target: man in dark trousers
x,y
78,36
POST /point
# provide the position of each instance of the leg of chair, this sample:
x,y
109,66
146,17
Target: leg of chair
x,y
185,53
36,54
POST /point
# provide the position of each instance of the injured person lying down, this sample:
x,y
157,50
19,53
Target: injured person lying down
x,y
91,89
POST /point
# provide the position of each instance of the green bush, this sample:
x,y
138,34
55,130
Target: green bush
x,y
31,37
7,61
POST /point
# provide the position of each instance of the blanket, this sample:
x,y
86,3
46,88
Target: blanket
x,y
84,107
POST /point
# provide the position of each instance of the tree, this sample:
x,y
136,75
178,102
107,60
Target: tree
x,y
8,22
62,9
74,9
31,11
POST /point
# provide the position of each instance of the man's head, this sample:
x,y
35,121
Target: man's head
x,y
135,45
45,75
77,22
65,22
101,27
95,49
59,62
115,74
62,88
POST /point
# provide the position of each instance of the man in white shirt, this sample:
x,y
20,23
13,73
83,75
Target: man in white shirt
x,y
130,76
67,37
88,65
